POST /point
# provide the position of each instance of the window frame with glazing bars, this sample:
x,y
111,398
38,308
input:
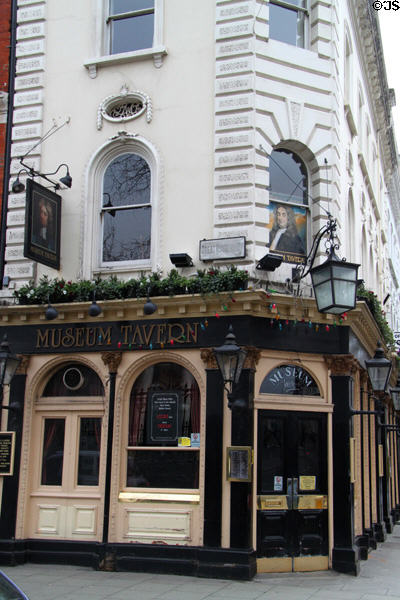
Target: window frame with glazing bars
x,y
127,15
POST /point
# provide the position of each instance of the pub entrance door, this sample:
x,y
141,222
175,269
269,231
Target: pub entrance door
x,y
292,486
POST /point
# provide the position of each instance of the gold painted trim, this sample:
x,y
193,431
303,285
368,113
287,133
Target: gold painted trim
x,y
272,503
352,460
312,501
310,563
274,565
156,497
380,460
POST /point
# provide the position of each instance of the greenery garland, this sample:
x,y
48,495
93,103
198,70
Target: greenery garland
x,y
378,313
207,282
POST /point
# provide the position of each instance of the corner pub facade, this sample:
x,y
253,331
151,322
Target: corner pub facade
x,y
127,456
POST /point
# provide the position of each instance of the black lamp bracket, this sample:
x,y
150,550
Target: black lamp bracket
x,y
330,246
33,173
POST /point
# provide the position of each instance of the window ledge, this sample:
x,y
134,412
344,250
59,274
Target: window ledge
x,y
126,269
157,53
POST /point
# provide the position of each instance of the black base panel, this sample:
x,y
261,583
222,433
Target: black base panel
x,y
149,558
346,560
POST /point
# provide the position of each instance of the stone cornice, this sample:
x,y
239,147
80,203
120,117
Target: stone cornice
x,y
249,302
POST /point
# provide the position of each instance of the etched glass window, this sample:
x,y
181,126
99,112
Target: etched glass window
x,y
131,24
287,21
126,210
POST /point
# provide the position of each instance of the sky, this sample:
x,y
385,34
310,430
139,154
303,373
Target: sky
x,y
389,22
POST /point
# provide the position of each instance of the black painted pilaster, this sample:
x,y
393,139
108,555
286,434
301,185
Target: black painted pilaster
x,y
345,558
213,459
242,435
8,515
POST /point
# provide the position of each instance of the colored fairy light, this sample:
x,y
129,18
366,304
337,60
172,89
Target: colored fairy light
x,y
270,306
206,322
171,342
280,326
271,322
119,344
309,324
317,327
277,317
202,326
130,346
151,346
274,306
217,315
162,344
327,327
225,307
287,322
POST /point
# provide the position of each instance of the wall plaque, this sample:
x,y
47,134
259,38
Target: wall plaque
x,y
223,248
238,463
7,448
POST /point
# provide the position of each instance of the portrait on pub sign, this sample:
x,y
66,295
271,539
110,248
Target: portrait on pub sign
x,y
42,225
287,230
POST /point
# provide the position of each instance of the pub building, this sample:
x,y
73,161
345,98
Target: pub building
x,y
128,457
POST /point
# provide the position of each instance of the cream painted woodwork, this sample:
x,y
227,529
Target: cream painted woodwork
x,y
66,511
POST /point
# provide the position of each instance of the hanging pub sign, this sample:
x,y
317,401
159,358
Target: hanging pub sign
x,y
7,447
163,418
42,225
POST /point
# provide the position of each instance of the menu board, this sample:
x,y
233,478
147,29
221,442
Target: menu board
x,y
7,443
163,418
239,463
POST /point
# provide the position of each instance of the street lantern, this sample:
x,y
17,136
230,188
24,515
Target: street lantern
x,y
395,393
230,359
8,363
335,281
379,369
335,285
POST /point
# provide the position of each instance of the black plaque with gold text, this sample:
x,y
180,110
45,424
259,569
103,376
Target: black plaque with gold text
x,y
7,446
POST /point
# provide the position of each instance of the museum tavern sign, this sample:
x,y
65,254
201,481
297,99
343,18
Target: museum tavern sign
x,y
120,335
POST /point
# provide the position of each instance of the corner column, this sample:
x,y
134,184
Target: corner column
x,y
345,554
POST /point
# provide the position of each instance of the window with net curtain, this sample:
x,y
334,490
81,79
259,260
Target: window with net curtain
x,y
161,462
126,210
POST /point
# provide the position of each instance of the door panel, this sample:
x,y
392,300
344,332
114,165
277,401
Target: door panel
x,y
66,484
292,519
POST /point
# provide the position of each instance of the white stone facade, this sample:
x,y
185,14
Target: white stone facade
x,y
222,95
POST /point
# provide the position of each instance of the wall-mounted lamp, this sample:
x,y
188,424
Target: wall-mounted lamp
x,y
181,260
269,262
395,393
230,359
335,281
379,368
94,308
18,187
149,308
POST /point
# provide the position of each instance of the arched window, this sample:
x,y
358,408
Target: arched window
x,y
126,210
290,380
288,206
121,215
164,429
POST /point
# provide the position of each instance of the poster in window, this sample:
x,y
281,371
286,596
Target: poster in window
x,y
287,231
42,225
163,418
7,449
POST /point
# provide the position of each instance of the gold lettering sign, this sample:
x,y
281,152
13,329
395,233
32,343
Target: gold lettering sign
x,y
125,336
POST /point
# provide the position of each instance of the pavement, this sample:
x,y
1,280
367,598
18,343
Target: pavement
x,y
379,579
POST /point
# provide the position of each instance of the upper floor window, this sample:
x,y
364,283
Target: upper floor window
x,y
287,21
126,210
131,24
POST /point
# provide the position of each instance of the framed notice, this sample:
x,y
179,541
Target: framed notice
x,y
238,463
163,418
42,225
7,449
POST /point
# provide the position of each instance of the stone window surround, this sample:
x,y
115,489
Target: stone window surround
x,y
103,59
91,240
